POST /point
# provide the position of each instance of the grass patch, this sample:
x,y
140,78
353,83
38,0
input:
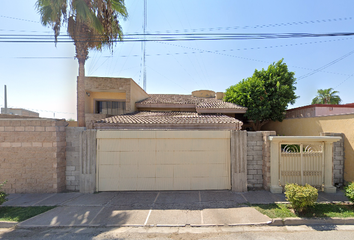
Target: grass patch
x,y
329,210
319,210
274,210
20,214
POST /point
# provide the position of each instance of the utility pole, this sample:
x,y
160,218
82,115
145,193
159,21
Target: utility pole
x,y
5,99
144,45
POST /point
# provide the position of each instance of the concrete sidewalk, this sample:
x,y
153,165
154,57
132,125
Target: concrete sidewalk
x,y
164,208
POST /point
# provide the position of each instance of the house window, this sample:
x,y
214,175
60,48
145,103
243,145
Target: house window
x,y
110,107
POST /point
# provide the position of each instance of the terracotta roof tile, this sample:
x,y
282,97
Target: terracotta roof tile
x,y
188,99
168,118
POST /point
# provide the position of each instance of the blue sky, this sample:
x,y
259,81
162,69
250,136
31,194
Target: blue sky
x,y
42,77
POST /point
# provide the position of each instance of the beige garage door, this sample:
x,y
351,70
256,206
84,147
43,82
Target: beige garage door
x,y
163,160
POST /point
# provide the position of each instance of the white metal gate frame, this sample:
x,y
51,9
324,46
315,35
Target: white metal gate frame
x,y
311,160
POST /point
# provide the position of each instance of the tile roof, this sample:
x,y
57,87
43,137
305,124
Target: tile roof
x,y
200,103
169,118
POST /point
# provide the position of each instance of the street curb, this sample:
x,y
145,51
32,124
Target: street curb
x,y
311,221
7,224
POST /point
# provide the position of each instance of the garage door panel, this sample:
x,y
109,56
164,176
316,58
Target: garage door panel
x,y
191,161
180,171
164,183
127,184
165,158
107,184
199,183
147,171
146,145
146,184
219,170
108,157
207,144
109,172
130,158
181,183
164,171
147,158
200,170
128,171
173,144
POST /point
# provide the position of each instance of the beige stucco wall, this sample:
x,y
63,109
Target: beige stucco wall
x,y
314,126
101,96
137,94
113,88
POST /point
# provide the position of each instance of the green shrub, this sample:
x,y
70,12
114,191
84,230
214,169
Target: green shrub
x,y
349,192
301,197
2,194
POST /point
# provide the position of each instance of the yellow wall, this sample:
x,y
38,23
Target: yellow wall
x,y
72,123
314,126
137,94
90,101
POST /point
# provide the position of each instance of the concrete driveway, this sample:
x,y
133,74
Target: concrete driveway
x,y
164,208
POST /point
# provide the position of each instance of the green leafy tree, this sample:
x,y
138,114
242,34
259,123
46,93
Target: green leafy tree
x,y
326,96
91,24
266,94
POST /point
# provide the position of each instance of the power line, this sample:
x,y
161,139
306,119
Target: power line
x,y
325,66
206,29
344,80
20,19
172,37
198,50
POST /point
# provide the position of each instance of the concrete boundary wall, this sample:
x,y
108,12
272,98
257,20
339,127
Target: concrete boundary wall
x,y
338,159
249,160
32,154
72,158
239,161
315,126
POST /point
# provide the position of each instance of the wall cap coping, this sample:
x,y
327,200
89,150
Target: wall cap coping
x,y
292,139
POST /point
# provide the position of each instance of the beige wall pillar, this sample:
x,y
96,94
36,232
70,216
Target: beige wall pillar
x,y
274,167
87,156
239,161
328,162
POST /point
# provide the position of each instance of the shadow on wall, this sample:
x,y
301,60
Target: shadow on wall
x,y
314,126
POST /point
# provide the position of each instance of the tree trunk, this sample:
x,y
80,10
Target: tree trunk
x,y
81,92
257,126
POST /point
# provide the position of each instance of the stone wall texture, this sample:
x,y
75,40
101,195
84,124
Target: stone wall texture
x,y
338,158
32,158
72,158
266,158
254,160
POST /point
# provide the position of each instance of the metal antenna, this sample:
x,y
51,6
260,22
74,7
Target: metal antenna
x,y
144,45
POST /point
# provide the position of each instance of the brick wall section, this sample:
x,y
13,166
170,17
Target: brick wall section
x,y
32,158
254,160
338,158
72,158
266,158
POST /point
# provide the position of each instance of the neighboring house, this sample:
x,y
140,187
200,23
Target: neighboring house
x,y
107,97
19,112
120,103
318,110
325,119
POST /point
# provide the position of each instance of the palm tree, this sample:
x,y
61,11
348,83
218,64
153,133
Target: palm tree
x,y
326,96
91,24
